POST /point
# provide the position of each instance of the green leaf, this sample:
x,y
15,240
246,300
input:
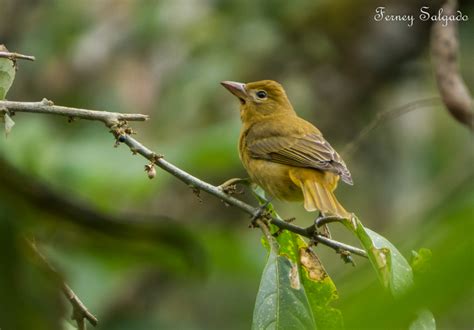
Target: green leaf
x,y
320,289
7,75
281,300
392,268
424,321
306,275
401,274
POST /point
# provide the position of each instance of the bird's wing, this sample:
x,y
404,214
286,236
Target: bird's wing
x,y
310,150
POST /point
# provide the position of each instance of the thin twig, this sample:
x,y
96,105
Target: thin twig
x,y
383,116
48,107
266,232
79,310
15,56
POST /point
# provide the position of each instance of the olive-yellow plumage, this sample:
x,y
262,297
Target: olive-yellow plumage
x,y
283,153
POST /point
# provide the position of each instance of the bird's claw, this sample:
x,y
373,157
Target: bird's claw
x,y
231,189
230,186
323,220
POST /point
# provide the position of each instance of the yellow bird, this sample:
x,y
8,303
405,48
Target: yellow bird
x,y
283,153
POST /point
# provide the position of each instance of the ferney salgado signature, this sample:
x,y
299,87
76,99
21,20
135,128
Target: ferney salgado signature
x,y
381,15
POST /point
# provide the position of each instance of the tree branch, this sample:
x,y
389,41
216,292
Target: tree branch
x,y
445,52
14,56
48,107
79,310
118,125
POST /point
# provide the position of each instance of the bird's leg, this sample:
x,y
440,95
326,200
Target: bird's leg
x,y
230,186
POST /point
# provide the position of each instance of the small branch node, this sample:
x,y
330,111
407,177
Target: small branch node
x,y
261,214
156,157
346,256
196,191
121,123
129,131
47,102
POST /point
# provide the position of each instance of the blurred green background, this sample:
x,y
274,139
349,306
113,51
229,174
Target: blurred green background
x,y
147,254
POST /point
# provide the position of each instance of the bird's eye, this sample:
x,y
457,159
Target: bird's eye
x,y
261,94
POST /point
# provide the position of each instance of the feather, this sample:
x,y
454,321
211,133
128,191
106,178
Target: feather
x,y
318,193
308,150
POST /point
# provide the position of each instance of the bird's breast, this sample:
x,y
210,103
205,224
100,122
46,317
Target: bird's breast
x,y
273,177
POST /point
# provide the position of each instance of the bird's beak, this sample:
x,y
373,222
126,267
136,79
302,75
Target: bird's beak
x,y
236,88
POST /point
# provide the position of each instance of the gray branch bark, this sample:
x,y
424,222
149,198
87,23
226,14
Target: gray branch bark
x,y
48,107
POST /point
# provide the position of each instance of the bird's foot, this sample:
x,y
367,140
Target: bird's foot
x,y
325,219
322,221
262,213
230,186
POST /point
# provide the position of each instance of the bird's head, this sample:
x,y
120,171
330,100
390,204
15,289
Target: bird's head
x,y
260,99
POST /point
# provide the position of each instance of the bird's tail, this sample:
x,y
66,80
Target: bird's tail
x,y
318,192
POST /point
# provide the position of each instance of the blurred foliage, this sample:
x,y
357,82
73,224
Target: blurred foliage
x,y
413,175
